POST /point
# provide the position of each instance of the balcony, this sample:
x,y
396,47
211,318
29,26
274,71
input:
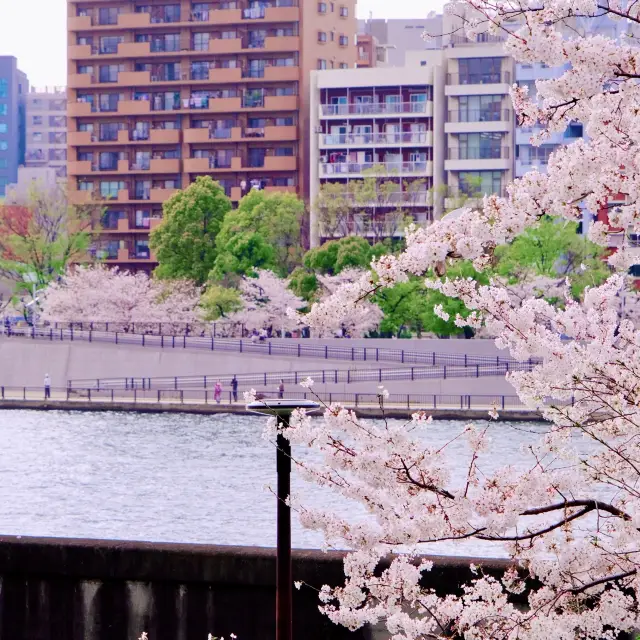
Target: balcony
x,y
282,43
165,165
79,51
80,138
79,109
224,76
367,109
421,138
134,107
361,169
281,103
393,199
225,105
79,168
274,163
134,49
161,195
134,78
478,120
478,83
478,159
80,80
457,197
225,45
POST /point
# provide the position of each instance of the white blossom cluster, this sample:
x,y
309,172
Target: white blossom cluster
x,y
570,521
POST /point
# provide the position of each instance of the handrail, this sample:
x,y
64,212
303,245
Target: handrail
x,y
206,397
297,349
321,376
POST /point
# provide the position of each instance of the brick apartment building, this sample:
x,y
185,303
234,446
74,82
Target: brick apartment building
x,y
162,92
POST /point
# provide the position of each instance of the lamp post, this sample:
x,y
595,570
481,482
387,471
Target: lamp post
x,y
282,410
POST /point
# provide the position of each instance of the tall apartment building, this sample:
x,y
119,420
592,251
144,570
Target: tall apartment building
x,y
470,151
14,87
161,92
47,129
375,123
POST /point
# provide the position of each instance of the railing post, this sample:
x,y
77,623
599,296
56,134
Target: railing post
x,y
112,395
353,353
477,371
326,352
503,403
356,399
377,354
379,375
2,392
33,332
269,347
159,396
408,403
240,345
71,332
298,349
212,347
412,374
434,358
348,375
173,341
143,340
135,396
89,390
182,396
365,353
402,356
90,335
444,368
465,359
434,401
175,383
116,337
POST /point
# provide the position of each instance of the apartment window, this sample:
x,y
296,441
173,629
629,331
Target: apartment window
x,y
344,41
200,70
3,127
57,155
479,108
322,64
4,88
57,137
85,156
322,36
3,145
284,91
109,72
110,189
574,130
85,126
201,41
84,185
108,161
37,121
57,121
344,12
477,183
4,108
167,42
109,44
284,151
109,101
4,163
284,122
528,154
479,146
36,136
344,65
84,68
322,7
333,7
230,35
108,15
480,70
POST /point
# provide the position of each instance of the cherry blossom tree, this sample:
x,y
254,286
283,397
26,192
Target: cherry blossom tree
x,y
265,301
569,520
100,294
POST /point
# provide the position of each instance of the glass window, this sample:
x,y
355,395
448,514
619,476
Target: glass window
x,y
478,146
36,136
109,101
4,108
3,127
322,64
322,7
36,121
108,15
322,36
477,183
284,151
479,108
344,41
57,137
201,41
480,70
284,122
200,70
4,163
109,73
83,185
109,44
4,88
110,189
344,12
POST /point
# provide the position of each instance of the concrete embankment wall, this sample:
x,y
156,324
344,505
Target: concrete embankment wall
x,y
61,589
24,362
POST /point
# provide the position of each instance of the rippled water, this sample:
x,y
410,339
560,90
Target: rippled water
x,y
168,477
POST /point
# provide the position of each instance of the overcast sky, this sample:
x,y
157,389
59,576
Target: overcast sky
x,y
35,31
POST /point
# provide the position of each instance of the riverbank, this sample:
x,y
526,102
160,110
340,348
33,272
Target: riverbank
x,y
397,412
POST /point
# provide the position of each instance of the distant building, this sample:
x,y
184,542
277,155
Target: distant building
x,y
42,178
371,53
47,129
14,87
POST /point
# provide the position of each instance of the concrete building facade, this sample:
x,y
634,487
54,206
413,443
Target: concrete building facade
x,y
466,149
160,93
14,87
47,129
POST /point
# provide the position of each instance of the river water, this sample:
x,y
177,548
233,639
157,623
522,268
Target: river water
x,y
171,477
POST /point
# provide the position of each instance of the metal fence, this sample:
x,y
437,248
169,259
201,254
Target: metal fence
x,y
296,349
203,397
324,376
202,330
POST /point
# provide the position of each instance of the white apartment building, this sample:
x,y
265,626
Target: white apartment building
x,y
46,144
366,118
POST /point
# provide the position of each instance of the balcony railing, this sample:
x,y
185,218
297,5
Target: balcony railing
x,y
479,39
252,102
393,199
142,193
254,13
478,153
372,108
338,168
475,192
479,78
479,115
404,137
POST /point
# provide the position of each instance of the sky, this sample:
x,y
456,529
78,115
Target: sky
x,y
35,32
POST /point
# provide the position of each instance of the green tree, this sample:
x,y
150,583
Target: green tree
x,y
553,248
335,255
244,253
304,284
218,302
185,241
276,217
41,236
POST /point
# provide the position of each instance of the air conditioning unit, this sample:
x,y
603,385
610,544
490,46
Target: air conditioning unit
x,y
318,129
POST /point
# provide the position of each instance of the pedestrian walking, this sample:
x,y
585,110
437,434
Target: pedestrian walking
x,y
47,386
234,388
217,392
281,389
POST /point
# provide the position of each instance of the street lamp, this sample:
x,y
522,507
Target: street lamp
x,y
282,410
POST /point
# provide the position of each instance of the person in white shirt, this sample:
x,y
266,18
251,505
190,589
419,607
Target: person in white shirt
x,y
47,386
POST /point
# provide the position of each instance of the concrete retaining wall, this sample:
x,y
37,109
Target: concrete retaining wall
x,y
60,589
